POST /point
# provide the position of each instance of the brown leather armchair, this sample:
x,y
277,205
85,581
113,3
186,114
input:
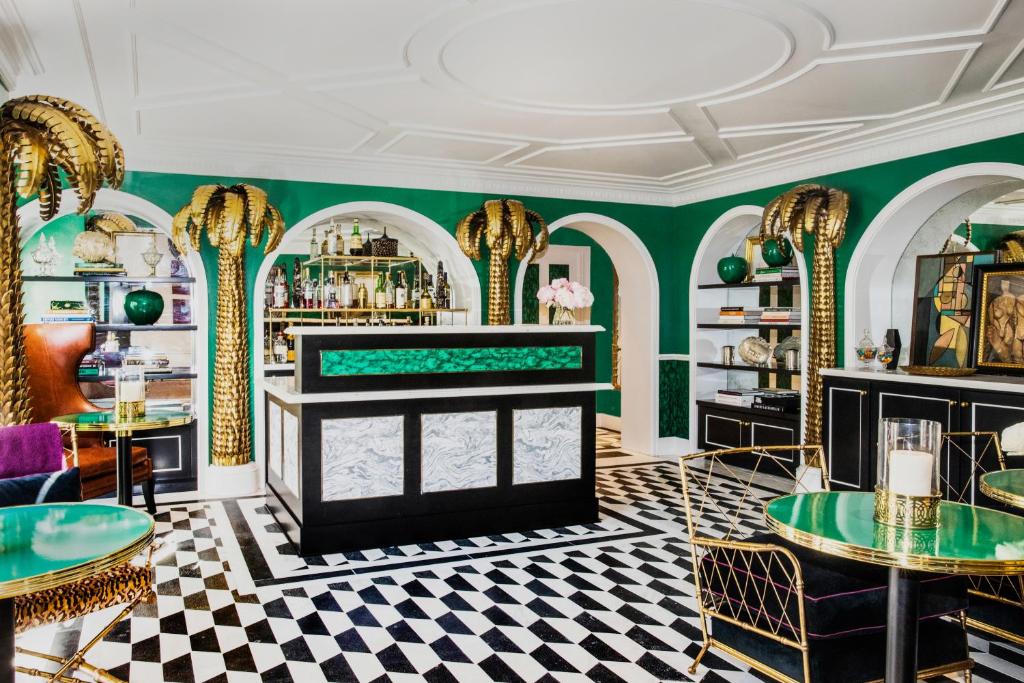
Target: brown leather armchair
x,y
54,351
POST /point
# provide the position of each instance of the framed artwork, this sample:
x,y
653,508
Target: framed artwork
x,y
943,306
752,254
998,330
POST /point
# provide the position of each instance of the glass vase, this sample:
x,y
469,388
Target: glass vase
x,y
563,316
129,393
907,490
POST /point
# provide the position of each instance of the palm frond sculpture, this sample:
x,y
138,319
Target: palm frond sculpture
x,y
39,137
508,228
229,215
819,211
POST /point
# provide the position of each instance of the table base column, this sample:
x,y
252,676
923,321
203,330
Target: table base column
x,y
125,486
901,627
7,640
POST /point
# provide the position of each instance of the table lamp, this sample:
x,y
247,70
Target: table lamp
x,y
129,393
907,490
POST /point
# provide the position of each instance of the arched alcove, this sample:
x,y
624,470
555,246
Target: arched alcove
x,y
132,205
417,232
638,285
916,221
723,238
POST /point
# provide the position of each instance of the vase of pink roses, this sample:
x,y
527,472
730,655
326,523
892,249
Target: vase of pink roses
x,y
566,297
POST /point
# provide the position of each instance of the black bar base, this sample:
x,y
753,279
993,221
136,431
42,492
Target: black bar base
x,y
124,470
901,629
7,640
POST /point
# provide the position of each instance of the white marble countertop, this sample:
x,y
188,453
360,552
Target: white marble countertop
x,y
1013,385
440,329
283,388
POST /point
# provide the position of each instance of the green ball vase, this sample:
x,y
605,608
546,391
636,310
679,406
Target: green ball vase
x,y
143,306
732,269
777,252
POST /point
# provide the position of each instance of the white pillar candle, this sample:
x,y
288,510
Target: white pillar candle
x,y
910,472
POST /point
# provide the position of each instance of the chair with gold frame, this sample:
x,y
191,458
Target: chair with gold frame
x,y
996,602
127,584
793,614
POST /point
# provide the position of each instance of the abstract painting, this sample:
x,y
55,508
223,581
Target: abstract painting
x,y
998,332
943,302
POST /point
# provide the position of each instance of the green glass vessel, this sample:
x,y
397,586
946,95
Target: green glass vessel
x,y
777,252
143,306
732,269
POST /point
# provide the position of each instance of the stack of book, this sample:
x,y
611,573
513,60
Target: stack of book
x,y
743,398
149,361
776,274
780,315
90,366
737,315
777,401
98,268
67,312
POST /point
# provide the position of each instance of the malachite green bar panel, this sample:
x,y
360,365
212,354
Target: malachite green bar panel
x,y
364,362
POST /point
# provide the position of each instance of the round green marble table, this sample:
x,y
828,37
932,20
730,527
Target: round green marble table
x,y
1006,486
104,421
46,546
969,540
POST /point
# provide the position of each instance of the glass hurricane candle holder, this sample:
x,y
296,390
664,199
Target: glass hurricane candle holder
x,y
907,490
129,393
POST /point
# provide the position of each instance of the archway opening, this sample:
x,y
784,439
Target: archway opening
x,y
881,275
638,323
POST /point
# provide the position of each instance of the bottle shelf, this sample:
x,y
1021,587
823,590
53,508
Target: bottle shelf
x,y
107,278
175,373
785,282
289,311
748,326
128,327
349,261
748,368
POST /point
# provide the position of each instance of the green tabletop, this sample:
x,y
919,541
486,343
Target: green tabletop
x,y
969,540
1006,486
45,546
103,421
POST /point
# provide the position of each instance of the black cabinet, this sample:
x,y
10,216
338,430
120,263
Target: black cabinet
x,y
854,405
722,426
173,451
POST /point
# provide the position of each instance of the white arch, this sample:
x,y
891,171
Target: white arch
x,y
871,276
433,237
127,203
721,239
639,324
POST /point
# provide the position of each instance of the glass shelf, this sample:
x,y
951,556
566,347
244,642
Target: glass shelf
x,y
107,278
784,282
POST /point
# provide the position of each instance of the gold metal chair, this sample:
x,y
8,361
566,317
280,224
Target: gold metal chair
x,y
991,596
127,584
754,588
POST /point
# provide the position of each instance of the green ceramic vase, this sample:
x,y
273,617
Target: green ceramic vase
x,y
143,307
777,252
732,269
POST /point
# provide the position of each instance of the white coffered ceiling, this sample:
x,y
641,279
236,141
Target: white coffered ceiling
x,y
659,101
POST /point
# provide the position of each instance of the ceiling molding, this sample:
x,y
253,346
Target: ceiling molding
x,y
17,51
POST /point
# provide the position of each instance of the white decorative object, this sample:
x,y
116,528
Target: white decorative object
x,y
459,451
93,247
548,444
151,257
290,452
45,256
362,457
1012,439
274,452
910,472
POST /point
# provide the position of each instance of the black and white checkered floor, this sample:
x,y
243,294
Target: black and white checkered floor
x,y
612,601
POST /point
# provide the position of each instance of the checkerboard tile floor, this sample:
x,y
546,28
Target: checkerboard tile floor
x,y
610,453
606,602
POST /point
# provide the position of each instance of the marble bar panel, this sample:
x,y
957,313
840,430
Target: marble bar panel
x,y
274,450
459,451
290,446
362,457
547,444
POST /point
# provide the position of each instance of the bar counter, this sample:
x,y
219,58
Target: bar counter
x,y
387,436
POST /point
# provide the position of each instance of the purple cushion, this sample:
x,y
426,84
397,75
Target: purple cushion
x,y
30,449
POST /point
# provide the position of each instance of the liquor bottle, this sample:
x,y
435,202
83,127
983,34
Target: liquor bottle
x,y
355,242
307,290
318,294
291,349
427,297
332,239
268,289
416,290
448,293
438,293
389,291
280,290
323,243
401,292
380,295
268,347
330,295
362,297
345,295
314,245
431,292
296,283
280,348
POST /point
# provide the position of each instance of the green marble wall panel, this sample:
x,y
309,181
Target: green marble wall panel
x,y
363,362
531,285
674,398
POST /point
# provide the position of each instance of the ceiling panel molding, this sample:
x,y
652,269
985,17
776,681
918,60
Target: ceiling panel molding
x,y
448,147
950,19
18,53
1013,67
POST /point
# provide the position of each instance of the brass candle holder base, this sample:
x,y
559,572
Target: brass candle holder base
x,y
908,512
129,410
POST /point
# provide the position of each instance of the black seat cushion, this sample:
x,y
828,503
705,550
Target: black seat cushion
x,y
842,597
51,487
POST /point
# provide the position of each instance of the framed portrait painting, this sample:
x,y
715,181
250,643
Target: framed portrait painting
x,y
998,330
943,308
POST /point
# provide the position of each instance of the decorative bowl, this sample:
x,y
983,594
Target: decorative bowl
x,y
143,306
936,371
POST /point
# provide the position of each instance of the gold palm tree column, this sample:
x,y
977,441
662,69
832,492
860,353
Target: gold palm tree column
x,y
821,212
229,215
505,224
40,136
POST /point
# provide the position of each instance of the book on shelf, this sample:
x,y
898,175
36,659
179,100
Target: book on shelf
x,y
99,269
66,317
67,305
776,274
738,315
742,397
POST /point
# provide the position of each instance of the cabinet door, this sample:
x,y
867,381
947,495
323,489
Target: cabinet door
x,y
983,411
721,428
846,434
